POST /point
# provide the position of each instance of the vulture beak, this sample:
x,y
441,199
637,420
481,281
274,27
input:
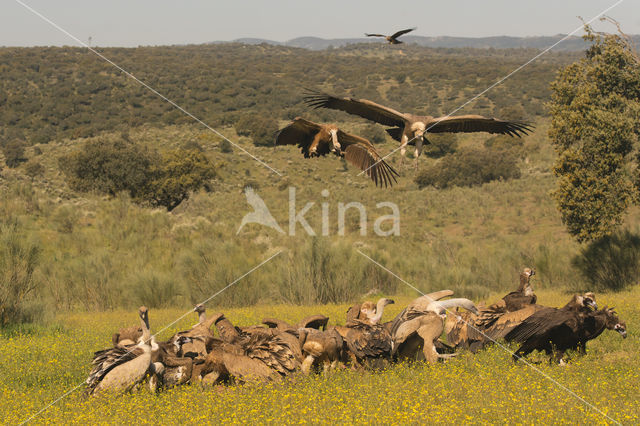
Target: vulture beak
x,y
390,302
622,330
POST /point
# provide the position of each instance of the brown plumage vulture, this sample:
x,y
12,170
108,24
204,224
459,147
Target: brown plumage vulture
x,y
411,129
317,140
392,39
121,368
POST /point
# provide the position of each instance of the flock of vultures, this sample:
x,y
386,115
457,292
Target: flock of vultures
x,y
275,348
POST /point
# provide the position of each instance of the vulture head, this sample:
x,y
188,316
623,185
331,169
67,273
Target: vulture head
x,y
614,323
589,299
374,312
144,315
199,308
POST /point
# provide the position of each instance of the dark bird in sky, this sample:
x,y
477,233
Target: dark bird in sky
x,y
392,39
317,140
409,129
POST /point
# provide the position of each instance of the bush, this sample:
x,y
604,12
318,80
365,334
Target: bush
x,y
468,167
260,129
18,261
177,174
14,153
440,144
34,169
374,133
611,262
109,167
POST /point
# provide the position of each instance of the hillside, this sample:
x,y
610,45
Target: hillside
x,y
571,44
104,252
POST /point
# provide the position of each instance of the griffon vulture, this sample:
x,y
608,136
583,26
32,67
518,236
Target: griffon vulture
x,y
392,39
411,129
121,368
317,140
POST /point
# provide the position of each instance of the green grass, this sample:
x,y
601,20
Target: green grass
x,y
38,367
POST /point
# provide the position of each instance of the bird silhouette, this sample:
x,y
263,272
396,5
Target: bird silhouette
x,y
261,213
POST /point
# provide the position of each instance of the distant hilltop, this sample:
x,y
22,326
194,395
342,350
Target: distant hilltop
x,y
573,43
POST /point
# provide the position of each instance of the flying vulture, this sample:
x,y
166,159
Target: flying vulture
x,y
392,39
411,129
317,140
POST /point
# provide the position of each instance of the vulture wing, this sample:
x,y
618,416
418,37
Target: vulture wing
x,y
314,321
361,107
506,322
538,324
361,153
366,341
106,360
301,132
374,35
402,32
478,123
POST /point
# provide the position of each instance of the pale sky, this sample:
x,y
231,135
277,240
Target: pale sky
x,y
162,22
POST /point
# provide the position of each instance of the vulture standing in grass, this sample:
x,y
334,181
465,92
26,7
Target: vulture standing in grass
x,y
598,321
392,39
121,368
553,330
321,348
317,140
523,296
368,311
421,323
176,369
471,331
278,352
411,129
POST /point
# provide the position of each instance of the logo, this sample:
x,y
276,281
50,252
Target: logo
x,y
384,225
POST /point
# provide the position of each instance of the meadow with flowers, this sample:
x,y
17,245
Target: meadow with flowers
x,y
41,364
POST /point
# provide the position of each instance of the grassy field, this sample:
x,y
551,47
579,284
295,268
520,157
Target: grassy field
x,y
39,365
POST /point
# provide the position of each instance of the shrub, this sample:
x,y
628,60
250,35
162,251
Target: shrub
x,y
468,167
109,167
177,174
440,145
13,153
225,146
374,133
34,169
261,129
611,262
18,261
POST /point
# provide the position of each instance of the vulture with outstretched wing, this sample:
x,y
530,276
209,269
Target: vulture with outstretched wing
x,y
392,39
411,129
317,140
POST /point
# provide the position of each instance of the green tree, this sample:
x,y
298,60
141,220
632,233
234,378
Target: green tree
x,y
595,124
178,173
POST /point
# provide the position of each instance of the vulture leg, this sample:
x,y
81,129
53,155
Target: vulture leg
x,y
307,364
418,151
430,334
403,147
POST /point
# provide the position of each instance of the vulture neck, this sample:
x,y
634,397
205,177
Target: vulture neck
x,y
379,311
202,317
146,334
524,283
